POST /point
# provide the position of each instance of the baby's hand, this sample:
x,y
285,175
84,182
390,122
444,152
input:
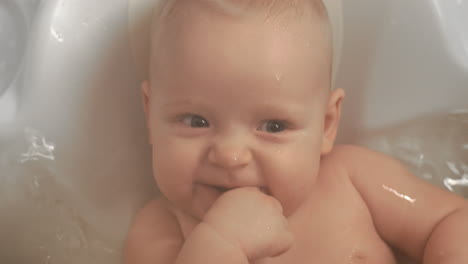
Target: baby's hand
x,y
251,220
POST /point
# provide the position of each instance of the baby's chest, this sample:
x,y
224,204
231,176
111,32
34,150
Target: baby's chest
x,y
336,245
336,230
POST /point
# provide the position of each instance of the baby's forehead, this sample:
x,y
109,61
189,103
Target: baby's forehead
x,y
175,17
251,41
195,34
282,11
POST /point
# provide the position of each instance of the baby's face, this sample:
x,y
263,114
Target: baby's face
x,y
234,103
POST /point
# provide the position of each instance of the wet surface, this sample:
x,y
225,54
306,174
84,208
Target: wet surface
x,y
433,147
39,218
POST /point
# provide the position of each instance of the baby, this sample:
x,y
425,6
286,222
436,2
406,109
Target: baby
x,y
242,119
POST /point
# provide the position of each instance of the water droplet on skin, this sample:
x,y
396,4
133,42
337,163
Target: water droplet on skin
x,y
400,195
279,77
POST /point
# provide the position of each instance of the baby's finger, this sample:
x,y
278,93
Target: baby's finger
x,y
277,204
282,244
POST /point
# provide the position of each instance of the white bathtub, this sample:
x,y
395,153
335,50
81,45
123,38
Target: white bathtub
x,y
75,108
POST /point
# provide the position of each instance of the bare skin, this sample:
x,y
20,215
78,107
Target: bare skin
x,y
340,222
242,135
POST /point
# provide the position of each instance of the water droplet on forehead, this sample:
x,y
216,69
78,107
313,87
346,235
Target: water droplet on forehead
x,y
279,76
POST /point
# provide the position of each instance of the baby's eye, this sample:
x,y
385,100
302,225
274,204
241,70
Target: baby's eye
x,y
273,126
195,121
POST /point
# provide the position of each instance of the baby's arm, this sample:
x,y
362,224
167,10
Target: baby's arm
x,y
206,246
424,221
155,238
243,225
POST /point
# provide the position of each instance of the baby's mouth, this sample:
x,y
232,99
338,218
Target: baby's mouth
x,y
222,189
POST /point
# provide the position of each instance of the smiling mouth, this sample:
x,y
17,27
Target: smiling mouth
x,y
222,189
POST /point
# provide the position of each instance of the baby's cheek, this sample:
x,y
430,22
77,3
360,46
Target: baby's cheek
x,y
291,176
172,162
173,179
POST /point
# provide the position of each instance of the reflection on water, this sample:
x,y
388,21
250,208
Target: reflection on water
x,y
38,148
434,148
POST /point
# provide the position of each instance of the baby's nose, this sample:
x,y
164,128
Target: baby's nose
x,y
229,155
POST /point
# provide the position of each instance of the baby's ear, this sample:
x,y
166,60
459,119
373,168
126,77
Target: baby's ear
x,y
145,93
332,120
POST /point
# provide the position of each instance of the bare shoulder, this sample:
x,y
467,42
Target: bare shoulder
x,y
372,171
344,158
154,236
354,159
355,152
405,209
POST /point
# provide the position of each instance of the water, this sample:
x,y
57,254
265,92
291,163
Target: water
x,y
38,217
433,147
